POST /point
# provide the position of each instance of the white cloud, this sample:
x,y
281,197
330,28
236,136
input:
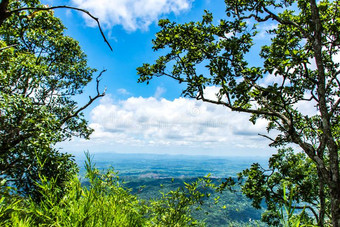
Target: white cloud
x,y
271,79
123,91
307,108
336,57
159,92
211,92
131,14
149,122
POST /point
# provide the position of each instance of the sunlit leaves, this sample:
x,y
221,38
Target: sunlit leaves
x,y
286,169
297,69
39,74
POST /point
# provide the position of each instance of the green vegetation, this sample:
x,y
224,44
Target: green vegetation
x,y
219,209
41,70
286,170
305,32
104,202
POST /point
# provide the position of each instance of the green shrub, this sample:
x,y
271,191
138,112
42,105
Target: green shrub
x,y
104,202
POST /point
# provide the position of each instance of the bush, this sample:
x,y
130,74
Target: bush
x,y
104,202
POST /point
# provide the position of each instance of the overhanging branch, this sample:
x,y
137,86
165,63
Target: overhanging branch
x,y
7,14
267,137
99,94
244,110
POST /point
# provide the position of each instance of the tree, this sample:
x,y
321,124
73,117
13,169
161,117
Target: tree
x,y
41,70
34,6
286,170
306,35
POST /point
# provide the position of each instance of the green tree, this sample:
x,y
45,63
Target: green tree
x,y
32,6
290,170
306,32
41,69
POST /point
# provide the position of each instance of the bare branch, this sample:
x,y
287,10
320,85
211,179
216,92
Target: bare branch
x,y
240,109
7,47
267,137
63,7
76,113
335,107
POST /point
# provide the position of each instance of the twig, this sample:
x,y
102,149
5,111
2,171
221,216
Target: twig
x,y
7,47
65,7
266,137
74,114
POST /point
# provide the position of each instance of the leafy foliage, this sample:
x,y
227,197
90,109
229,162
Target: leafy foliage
x,y
175,207
41,70
285,170
104,202
215,53
288,218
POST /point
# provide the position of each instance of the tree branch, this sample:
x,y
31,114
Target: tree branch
x,y
240,109
286,22
335,107
3,10
9,13
74,114
308,207
267,137
7,47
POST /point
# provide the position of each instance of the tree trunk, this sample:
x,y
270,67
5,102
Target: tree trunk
x,y
332,180
335,205
322,201
3,11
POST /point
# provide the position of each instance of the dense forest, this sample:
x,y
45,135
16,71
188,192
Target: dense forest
x,y
42,70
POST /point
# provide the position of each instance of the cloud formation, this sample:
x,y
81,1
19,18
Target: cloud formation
x,y
139,121
131,14
159,92
122,91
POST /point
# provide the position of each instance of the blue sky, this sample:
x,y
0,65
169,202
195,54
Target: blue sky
x,y
154,118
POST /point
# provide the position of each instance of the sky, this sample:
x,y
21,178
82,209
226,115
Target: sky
x,y
154,118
